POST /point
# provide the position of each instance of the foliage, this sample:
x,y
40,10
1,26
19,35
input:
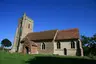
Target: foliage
x,y
89,45
92,49
6,43
86,51
85,40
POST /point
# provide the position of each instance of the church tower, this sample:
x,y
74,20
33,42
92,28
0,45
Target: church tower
x,y
25,26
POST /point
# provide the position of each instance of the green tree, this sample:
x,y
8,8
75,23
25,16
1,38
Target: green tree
x,y
89,45
5,43
85,40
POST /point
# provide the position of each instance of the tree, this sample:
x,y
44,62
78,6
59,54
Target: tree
x,y
6,43
85,40
89,45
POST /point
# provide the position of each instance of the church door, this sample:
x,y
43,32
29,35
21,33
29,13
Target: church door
x,y
27,50
65,51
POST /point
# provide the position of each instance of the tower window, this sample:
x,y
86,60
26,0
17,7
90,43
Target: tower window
x,y
43,45
28,25
72,44
58,45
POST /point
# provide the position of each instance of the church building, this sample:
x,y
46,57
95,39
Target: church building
x,y
61,42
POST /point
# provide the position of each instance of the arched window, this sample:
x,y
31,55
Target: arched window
x,y
58,45
28,25
43,45
72,44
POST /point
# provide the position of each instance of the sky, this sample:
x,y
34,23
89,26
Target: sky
x,y
48,15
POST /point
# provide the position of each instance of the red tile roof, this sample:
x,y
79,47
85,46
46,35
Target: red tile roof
x,y
61,35
68,34
42,35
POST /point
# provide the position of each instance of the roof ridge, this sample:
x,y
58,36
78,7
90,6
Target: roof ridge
x,y
44,31
69,29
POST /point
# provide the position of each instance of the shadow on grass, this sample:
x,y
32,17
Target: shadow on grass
x,y
57,60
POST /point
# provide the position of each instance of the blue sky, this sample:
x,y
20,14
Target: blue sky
x,y
47,15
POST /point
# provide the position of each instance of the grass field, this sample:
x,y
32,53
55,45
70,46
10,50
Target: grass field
x,y
15,58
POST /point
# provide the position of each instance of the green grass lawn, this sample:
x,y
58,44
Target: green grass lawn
x,y
15,58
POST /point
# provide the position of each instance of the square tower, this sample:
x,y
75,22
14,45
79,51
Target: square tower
x,y
25,26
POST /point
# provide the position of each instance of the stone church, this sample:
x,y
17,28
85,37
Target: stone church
x,y
61,42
